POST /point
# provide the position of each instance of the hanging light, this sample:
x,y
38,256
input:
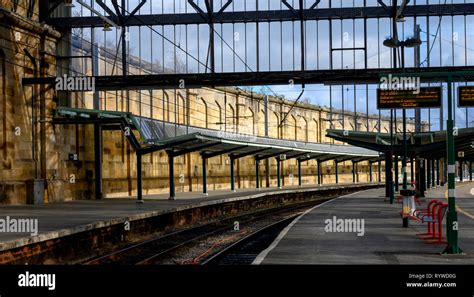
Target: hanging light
x,y
68,4
106,27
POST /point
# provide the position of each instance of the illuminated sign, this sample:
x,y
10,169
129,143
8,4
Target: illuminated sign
x,y
426,97
466,96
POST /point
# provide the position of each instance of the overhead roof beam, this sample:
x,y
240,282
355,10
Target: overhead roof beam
x,y
197,80
222,152
241,155
193,149
271,15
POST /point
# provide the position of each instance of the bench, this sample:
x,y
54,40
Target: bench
x,y
433,215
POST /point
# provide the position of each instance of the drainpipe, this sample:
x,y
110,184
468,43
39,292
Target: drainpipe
x,y
33,113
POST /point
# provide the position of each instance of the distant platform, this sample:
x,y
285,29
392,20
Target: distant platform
x,y
384,240
57,220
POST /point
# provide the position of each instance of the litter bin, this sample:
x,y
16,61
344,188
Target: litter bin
x,y
408,204
35,191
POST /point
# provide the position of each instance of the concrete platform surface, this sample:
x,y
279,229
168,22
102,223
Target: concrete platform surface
x,y
61,219
311,239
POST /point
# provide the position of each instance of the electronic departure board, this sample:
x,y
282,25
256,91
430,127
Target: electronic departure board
x,y
466,96
426,97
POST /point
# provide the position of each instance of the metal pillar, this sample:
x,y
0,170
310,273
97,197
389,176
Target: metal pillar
x,y
370,171
422,178
395,178
278,173
337,171
428,173
299,173
461,171
353,172
204,174
380,171
232,175
437,172
388,176
267,161
98,160
257,176
433,181
139,179
412,170
452,215
171,176
470,170
319,172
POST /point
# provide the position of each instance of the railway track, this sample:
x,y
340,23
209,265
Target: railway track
x,y
245,250
164,249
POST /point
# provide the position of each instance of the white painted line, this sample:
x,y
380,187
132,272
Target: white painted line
x,y
259,259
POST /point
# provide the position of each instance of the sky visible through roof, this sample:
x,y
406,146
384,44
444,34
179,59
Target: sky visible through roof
x,y
447,41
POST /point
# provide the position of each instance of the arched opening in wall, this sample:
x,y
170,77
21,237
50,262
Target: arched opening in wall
x,y
261,123
292,126
220,118
232,119
206,113
316,131
15,5
4,103
166,107
31,8
181,109
304,127
274,127
249,126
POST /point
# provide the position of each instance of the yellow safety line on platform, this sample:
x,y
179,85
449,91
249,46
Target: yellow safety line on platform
x,y
467,214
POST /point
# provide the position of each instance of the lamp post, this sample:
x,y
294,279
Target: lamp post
x,y
395,43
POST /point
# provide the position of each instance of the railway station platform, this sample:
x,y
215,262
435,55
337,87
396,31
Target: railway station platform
x,y
314,238
81,221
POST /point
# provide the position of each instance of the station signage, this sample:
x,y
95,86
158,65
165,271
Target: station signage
x,y
466,96
424,97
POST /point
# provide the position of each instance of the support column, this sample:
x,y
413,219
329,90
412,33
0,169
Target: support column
x,y
422,178
370,171
380,171
428,173
461,171
204,175
353,172
98,160
412,171
395,179
337,171
452,223
388,176
319,172
257,176
437,173
433,179
299,173
470,170
232,174
171,176
278,173
139,179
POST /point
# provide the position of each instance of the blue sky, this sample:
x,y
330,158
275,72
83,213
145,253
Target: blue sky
x,y
235,47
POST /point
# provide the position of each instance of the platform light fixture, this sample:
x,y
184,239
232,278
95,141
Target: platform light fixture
x,y
68,4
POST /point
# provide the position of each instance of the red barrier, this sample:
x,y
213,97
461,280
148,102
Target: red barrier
x,y
426,215
434,220
440,216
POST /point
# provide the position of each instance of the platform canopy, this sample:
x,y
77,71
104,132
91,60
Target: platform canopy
x,y
149,135
426,144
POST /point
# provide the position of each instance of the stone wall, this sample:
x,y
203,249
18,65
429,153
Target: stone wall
x,y
226,109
